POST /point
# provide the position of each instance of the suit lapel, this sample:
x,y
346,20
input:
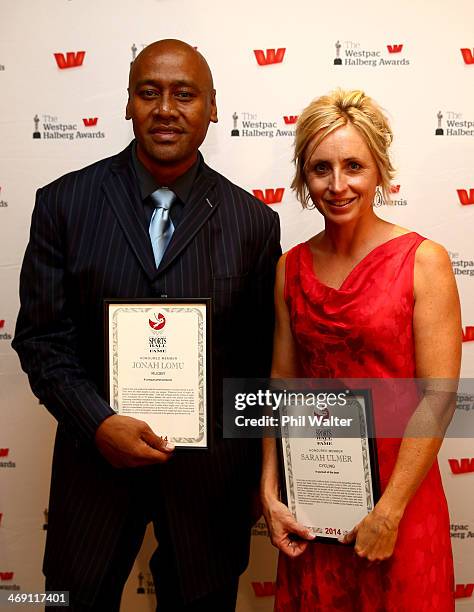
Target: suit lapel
x,y
121,190
202,204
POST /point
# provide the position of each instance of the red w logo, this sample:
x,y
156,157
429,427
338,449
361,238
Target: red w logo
x,y
6,575
394,188
272,56
90,121
464,590
465,466
394,48
72,59
263,589
4,452
468,56
464,197
468,335
290,119
2,323
272,196
1,516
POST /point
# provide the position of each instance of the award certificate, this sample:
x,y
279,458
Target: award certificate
x,y
330,480
157,365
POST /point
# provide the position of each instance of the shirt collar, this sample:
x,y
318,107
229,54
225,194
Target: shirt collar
x,y
148,184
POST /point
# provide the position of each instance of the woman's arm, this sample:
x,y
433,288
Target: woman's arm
x,y
285,532
437,333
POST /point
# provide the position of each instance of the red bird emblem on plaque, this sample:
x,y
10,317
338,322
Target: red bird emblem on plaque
x,y
159,323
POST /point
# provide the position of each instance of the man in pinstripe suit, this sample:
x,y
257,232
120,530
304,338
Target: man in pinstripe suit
x,y
89,241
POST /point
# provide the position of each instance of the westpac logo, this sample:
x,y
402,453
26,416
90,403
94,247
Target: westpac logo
x,y
394,48
454,124
466,197
2,323
249,125
4,452
6,576
90,121
468,56
394,188
72,59
54,128
270,56
353,53
464,590
468,334
263,589
461,466
269,196
461,266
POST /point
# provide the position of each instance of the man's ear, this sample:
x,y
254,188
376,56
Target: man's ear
x,y
213,116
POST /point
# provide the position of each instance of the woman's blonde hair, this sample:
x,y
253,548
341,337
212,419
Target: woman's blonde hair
x,y
330,112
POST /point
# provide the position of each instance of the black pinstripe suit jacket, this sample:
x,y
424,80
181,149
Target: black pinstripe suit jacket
x,y
88,243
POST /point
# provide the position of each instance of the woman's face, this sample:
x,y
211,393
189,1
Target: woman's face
x,y
342,176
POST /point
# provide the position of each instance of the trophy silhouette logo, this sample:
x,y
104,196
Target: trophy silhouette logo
x,y
134,50
235,131
36,133
439,129
337,59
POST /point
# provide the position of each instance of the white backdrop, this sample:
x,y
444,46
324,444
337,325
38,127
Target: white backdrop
x,y
66,61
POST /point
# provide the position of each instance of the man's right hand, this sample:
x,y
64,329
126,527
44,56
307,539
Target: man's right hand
x,y
127,442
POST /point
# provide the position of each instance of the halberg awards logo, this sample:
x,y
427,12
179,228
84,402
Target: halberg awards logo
x,y
3,203
269,196
468,56
351,53
456,125
461,266
464,590
461,466
4,452
54,129
468,334
466,197
394,201
72,59
4,335
251,126
7,577
146,585
270,56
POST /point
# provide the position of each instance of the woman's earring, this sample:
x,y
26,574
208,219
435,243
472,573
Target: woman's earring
x,y
379,201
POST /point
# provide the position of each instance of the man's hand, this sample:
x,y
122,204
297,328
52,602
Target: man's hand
x,y
127,442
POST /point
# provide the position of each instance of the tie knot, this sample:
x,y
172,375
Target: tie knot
x,y
163,198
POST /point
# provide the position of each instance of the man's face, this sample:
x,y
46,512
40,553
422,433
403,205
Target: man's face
x,y
171,102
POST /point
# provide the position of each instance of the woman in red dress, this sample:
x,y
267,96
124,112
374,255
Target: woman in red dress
x,y
364,299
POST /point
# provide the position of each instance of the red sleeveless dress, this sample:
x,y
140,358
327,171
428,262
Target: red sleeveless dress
x,y
364,330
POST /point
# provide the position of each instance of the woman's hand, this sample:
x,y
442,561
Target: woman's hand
x,y
375,536
285,532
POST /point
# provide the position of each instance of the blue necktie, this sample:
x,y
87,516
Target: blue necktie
x,y
161,227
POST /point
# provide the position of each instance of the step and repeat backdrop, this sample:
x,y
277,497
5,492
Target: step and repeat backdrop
x,y
63,77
